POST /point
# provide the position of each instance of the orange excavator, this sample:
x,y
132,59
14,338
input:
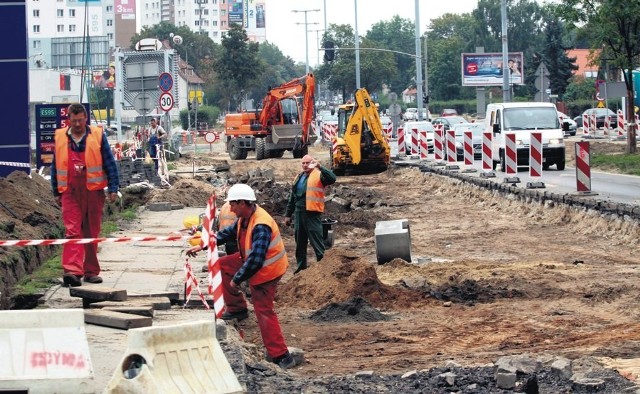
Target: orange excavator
x,y
283,124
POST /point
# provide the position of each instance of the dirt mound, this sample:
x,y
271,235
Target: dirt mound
x,y
189,192
353,310
340,276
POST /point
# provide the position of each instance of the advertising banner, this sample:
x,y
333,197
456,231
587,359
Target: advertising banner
x,y
485,69
125,7
235,11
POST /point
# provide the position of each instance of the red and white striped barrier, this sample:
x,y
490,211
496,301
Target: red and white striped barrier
x,y
510,154
334,146
468,148
585,124
593,124
190,282
452,155
82,241
415,144
583,167
487,156
637,120
438,141
607,121
535,155
388,131
329,131
424,147
402,147
620,122
214,273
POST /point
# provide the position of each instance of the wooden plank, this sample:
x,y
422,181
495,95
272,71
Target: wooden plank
x,y
132,310
98,293
173,296
156,303
119,320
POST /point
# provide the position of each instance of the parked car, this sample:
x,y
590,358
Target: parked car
x,y
410,114
449,112
419,126
601,114
476,133
448,121
572,126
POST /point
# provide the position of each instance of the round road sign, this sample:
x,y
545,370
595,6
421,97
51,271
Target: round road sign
x,y
211,137
165,81
166,101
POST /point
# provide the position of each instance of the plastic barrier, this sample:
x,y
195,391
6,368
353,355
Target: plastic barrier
x,y
415,144
620,128
402,147
182,358
535,155
438,142
487,160
424,146
452,155
585,124
45,351
510,154
468,148
583,167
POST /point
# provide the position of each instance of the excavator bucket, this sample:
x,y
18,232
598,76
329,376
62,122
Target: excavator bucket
x,y
288,133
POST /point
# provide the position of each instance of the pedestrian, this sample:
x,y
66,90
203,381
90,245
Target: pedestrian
x,y
263,262
83,166
306,205
157,137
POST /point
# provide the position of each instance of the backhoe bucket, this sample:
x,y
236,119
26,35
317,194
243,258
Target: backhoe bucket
x,y
286,134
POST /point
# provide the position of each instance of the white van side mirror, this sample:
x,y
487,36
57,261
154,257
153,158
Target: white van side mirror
x,y
496,127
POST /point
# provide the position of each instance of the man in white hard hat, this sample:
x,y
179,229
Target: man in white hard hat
x,y
264,261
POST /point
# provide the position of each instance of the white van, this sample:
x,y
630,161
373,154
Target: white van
x,y
521,119
421,125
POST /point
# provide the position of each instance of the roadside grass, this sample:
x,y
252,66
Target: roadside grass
x,y
624,164
50,272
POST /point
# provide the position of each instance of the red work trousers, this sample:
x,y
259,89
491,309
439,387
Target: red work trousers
x,y
262,296
82,218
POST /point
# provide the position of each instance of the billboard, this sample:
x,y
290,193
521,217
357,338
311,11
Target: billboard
x,y
485,69
125,7
236,12
260,22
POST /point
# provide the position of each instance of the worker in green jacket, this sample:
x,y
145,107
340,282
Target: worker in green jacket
x,y
306,205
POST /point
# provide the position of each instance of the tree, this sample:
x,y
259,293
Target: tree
x,y
238,67
556,59
614,24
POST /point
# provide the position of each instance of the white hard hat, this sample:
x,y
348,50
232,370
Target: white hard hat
x,y
240,191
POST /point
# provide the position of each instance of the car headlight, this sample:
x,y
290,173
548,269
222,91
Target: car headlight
x,y
458,144
519,142
556,141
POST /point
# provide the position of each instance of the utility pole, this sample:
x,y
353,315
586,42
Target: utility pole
x,y
318,45
357,40
306,34
506,91
418,63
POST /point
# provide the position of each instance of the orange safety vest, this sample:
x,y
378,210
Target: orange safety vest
x,y
226,218
275,262
315,192
96,179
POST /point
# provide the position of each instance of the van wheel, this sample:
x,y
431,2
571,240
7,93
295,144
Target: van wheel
x,y
545,166
494,164
560,165
503,162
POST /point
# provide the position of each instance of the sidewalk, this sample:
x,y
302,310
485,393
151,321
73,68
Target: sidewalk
x,y
140,268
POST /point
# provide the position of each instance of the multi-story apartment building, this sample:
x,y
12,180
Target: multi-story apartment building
x,y
210,17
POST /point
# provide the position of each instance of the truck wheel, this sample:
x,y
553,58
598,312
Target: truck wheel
x,y
560,165
276,153
494,164
298,153
236,152
261,149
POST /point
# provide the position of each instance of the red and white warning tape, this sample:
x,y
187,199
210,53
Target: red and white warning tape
x,y
76,241
191,281
14,164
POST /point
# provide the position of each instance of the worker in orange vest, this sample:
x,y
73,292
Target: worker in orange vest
x,y
263,262
306,205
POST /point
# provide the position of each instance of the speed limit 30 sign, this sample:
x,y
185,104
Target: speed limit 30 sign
x,y
166,101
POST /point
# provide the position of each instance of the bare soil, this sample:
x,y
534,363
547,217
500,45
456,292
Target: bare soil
x,y
489,277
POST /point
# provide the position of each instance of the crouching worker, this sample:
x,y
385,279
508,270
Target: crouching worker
x,y
263,261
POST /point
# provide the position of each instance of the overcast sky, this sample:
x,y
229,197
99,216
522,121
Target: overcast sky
x,y
283,29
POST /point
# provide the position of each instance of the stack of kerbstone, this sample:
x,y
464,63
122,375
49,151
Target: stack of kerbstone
x,y
135,171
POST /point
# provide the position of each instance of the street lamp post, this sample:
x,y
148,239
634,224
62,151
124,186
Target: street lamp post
x,y
306,34
318,45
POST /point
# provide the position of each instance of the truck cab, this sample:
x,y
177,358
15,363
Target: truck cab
x,y
521,119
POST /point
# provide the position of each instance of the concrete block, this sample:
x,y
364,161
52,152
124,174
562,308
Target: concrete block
x,y
159,206
91,294
393,240
506,380
111,319
155,303
364,375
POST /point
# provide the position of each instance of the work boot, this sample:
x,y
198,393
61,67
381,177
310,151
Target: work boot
x,y
300,268
71,280
92,279
285,362
239,315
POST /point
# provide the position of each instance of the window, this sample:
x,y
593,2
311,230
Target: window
x,y
109,8
60,13
36,13
110,36
36,28
109,22
37,44
60,28
72,13
72,28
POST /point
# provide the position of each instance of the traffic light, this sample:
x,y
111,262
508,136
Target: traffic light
x,y
190,106
425,98
329,51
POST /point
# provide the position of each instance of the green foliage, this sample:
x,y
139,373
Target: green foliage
x,y
42,278
625,163
206,114
108,227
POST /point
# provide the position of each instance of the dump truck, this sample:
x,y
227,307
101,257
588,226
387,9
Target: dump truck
x,y
359,143
284,123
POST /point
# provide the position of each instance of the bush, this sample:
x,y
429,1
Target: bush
x,y
206,114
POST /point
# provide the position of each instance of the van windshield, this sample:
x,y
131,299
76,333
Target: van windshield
x,y
531,118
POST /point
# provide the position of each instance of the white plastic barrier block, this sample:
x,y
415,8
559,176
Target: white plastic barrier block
x,y
46,351
393,240
182,358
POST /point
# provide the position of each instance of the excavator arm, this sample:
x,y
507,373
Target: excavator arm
x,y
364,135
271,110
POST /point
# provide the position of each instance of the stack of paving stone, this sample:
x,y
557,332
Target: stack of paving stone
x,y
135,171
